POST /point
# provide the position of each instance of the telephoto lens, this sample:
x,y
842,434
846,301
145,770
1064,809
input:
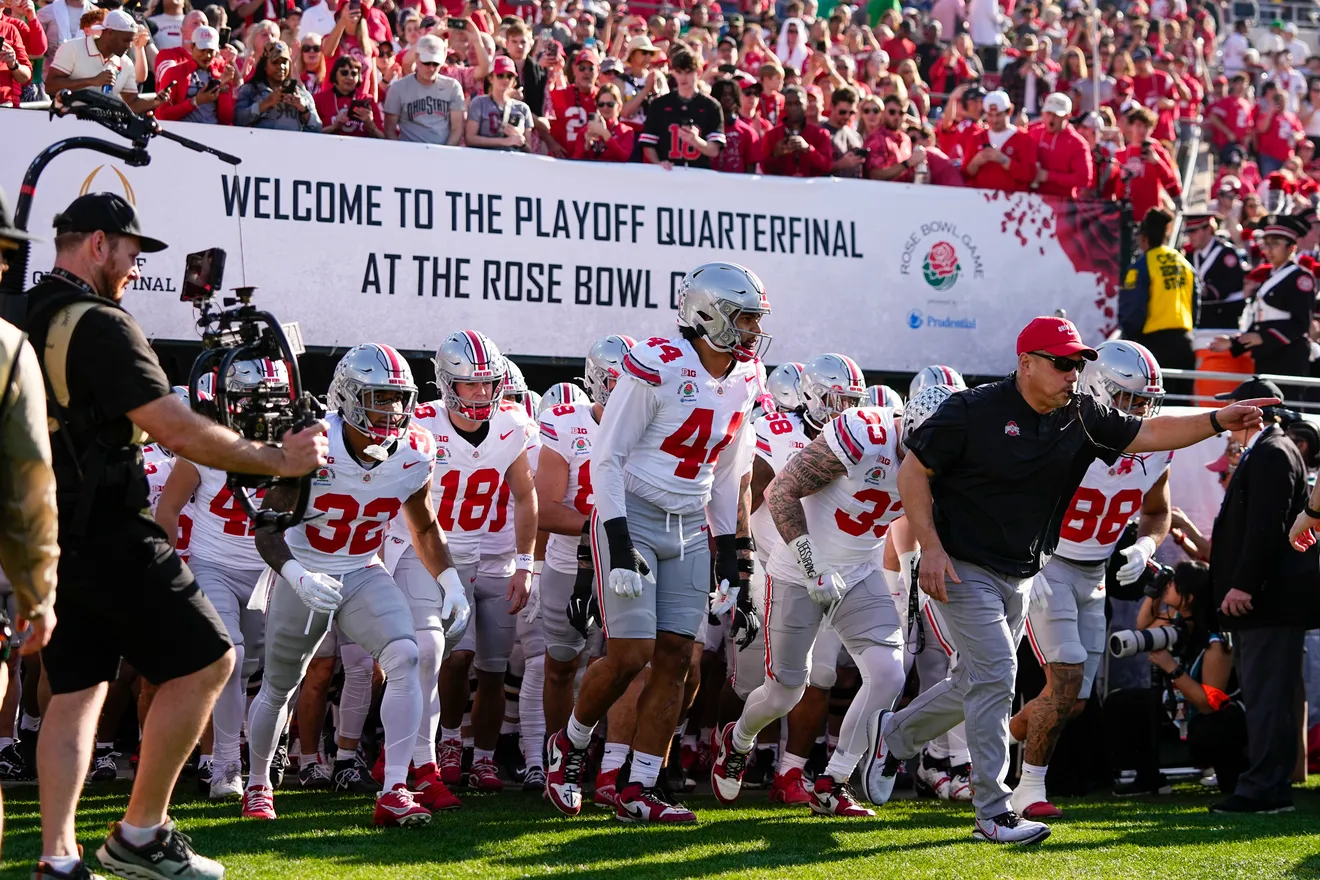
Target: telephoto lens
x,y
1130,642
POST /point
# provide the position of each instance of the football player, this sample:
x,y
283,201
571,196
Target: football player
x,y
516,390
481,443
883,395
1066,619
379,464
935,374
832,504
668,465
562,393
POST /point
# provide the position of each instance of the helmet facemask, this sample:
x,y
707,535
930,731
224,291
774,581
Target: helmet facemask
x,y
471,408
824,404
1130,402
380,412
728,337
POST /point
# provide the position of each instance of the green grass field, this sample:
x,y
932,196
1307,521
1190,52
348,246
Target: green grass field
x,y
518,835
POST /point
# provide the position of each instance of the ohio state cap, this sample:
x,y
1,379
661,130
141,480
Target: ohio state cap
x,y
1056,336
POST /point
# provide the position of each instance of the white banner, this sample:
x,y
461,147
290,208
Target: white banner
x,y
359,240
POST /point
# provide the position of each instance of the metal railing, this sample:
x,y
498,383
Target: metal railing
x,y
1215,375
1189,151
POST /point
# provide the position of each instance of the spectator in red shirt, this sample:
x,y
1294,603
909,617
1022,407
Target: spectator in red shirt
x,y
23,15
1002,156
949,70
1277,130
1158,91
202,88
1147,171
606,138
1229,120
572,106
892,155
796,147
771,77
742,143
344,106
961,121
15,66
900,47
164,58
942,170
1062,153
1245,172
1191,104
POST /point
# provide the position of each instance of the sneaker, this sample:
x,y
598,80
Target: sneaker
x,y
1009,827
349,776
227,783
534,779
279,763
649,805
450,761
1240,805
607,792
730,764
761,770
1142,785
960,783
399,806
933,776
314,776
258,802
879,767
169,857
204,777
45,871
485,776
563,774
12,767
790,788
104,767
431,792
829,797
509,757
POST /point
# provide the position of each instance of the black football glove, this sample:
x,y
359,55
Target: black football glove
x,y
746,626
583,610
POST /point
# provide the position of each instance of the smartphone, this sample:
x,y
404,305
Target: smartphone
x,y
212,85
2,42
355,5
730,69
359,103
864,152
290,86
224,35
457,24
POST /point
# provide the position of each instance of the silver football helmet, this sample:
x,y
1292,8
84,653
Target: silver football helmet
x,y
922,406
605,366
713,296
561,393
936,374
374,392
1126,376
469,357
883,395
785,386
515,386
256,375
831,383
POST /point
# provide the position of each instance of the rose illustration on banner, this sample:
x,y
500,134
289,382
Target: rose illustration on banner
x,y
941,267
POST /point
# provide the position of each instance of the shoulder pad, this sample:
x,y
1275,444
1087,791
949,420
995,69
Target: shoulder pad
x,y
420,441
425,411
650,361
859,432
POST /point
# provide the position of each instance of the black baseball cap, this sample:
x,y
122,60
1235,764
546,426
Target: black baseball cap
x,y
8,233
1251,389
108,213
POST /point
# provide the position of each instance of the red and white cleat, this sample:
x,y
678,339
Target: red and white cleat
x,y
259,803
432,792
727,772
648,805
790,788
832,798
451,761
378,769
399,806
607,793
1042,810
485,776
563,774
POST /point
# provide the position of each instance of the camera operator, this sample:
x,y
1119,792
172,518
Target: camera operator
x,y
123,592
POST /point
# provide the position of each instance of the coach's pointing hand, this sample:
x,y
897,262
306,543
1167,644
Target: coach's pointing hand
x,y
1245,415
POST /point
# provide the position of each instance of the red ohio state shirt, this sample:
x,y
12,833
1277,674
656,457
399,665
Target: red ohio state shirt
x,y
1021,171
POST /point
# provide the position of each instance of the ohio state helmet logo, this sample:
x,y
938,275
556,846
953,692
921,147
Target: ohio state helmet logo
x,y
1011,429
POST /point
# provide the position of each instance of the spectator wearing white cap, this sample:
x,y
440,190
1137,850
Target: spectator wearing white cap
x,y
200,89
182,52
95,62
1002,156
425,106
1063,156
1298,47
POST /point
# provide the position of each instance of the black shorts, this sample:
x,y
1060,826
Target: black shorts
x,y
124,594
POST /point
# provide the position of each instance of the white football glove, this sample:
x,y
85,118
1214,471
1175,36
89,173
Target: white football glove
x,y
318,591
533,606
625,582
1040,591
1137,556
453,600
723,599
826,588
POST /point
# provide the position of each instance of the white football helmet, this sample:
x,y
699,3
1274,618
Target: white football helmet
x,y
922,406
883,395
515,386
563,392
374,392
1126,376
831,383
605,366
936,374
711,298
470,357
785,386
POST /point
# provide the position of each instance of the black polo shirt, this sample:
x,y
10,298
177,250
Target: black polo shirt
x,y
1004,474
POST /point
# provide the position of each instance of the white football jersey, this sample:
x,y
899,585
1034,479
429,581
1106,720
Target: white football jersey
x,y
570,430
468,479
222,533
158,465
1103,504
848,519
779,437
500,542
359,503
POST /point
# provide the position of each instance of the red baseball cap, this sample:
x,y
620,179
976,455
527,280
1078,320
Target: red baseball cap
x,y
504,64
1056,336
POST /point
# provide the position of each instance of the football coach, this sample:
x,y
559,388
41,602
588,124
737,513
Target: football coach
x,y
985,489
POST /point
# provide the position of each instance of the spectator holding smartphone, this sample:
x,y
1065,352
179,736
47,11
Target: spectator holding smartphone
x,y
345,107
15,66
1002,156
742,143
607,138
1147,168
684,127
849,153
496,120
183,52
1277,129
273,98
796,147
426,107
570,107
200,89
892,156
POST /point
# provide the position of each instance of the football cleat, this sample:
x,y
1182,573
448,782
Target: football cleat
x,y
534,779
789,788
607,792
399,806
280,762
204,777
879,768
12,766
314,775
1042,810
730,764
104,768
226,783
485,776
648,805
960,783
933,779
563,774
830,797
258,803
1009,827
451,761
349,776
761,768
432,792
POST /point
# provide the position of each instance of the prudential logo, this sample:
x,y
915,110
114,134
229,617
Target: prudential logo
x,y
916,319
919,320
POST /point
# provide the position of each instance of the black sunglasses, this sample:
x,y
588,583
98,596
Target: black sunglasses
x,y
1061,363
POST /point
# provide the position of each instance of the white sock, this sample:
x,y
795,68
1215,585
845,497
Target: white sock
x,y
578,733
615,755
30,724
531,712
400,708
345,755
227,714
645,769
842,765
135,836
63,864
451,735
305,760
507,726
101,745
483,755
789,761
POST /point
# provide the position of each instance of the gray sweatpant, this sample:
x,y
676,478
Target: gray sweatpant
x,y
984,620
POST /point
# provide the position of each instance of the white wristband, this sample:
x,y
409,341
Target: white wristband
x,y
292,570
523,562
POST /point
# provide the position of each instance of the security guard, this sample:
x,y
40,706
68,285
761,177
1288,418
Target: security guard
x,y
1160,301
123,593
1277,317
1221,268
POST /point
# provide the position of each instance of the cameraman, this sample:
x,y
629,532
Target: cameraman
x,y
123,593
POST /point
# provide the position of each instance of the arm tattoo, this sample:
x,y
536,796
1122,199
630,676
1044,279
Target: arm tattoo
x,y
806,473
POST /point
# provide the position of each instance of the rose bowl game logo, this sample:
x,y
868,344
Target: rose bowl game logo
x,y
441,455
876,475
941,267
580,445
323,477
687,391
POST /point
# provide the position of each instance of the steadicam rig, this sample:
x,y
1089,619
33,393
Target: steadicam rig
x,y
247,379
